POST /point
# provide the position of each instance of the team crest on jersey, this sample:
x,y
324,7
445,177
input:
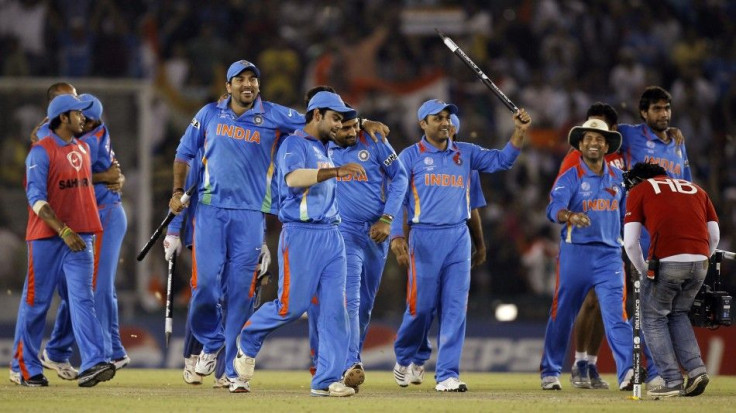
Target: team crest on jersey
x,y
650,144
457,159
75,159
613,190
81,148
364,155
195,123
258,120
585,186
428,161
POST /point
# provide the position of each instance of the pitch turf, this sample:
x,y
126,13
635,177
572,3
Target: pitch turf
x,y
135,390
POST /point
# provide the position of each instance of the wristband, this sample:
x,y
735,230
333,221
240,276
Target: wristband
x,y
64,231
176,190
384,220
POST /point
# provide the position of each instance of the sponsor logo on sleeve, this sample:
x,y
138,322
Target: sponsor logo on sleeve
x,y
391,158
195,123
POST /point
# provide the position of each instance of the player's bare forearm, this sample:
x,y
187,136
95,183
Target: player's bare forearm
x,y
475,227
371,127
180,176
522,121
71,238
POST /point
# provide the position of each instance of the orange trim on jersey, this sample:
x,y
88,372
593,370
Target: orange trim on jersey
x,y
411,287
253,282
31,291
21,362
623,302
287,284
100,133
417,204
421,147
98,250
315,300
553,311
581,171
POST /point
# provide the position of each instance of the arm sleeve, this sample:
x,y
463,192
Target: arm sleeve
x,y
290,156
397,226
395,170
632,233
714,236
193,139
37,171
287,119
477,199
561,194
491,160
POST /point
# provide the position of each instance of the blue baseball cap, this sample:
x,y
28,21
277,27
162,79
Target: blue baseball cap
x,y
94,111
239,66
433,107
65,103
455,122
332,101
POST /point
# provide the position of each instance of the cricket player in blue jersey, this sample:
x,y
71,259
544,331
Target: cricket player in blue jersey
x,y
367,208
62,221
655,141
415,370
589,198
437,254
239,138
312,261
108,181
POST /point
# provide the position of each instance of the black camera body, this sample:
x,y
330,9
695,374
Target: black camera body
x,y
711,307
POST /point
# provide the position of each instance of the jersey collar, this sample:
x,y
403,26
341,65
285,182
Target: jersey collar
x,y
256,108
425,146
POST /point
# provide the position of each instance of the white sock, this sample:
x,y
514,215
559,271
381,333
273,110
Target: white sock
x,y
592,359
580,355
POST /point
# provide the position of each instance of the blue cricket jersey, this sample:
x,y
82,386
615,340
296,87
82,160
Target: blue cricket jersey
x,y
43,131
381,191
477,199
600,197
439,187
102,156
315,204
640,144
239,153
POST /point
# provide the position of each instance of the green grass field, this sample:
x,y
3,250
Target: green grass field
x,y
288,391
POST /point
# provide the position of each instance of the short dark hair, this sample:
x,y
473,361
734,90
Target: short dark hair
x,y
640,172
313,91
56,122
310,114
653,94
605,110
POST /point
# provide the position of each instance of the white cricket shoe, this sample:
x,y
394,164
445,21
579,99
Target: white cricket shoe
x,y
451,384
121,362
336,389
238,386
63,369
245,366
14,377
190,377
551,383
416,374
400,375
221,383
206,362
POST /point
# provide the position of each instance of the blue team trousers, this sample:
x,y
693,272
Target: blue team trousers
x,y
192,347
438,283
365,262
50,260
312,264
581,267
227,243
107,255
